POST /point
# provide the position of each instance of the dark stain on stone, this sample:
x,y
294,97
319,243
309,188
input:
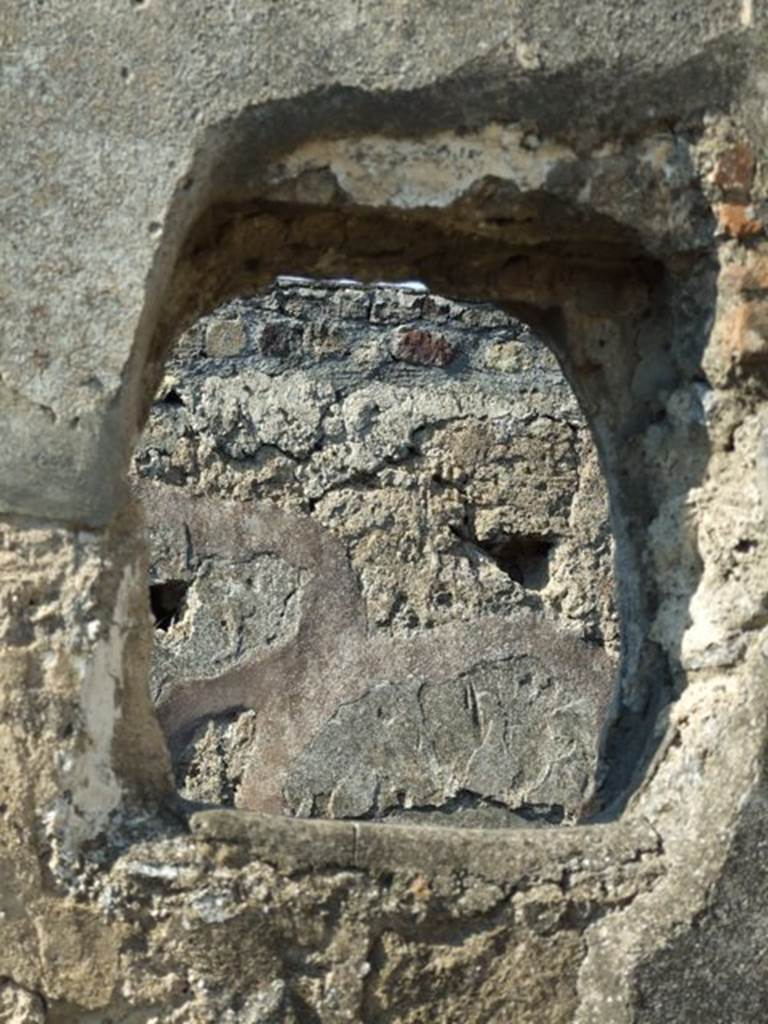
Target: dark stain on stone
x,y
280,338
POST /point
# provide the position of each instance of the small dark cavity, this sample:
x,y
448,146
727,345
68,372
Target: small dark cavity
x,y
523,557
172,398
542,814
465,802
168,601
744,546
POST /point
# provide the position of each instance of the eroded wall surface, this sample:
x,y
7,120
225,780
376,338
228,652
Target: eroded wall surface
x,y
431,462
600,172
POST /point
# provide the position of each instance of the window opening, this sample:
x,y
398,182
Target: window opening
x,y
415,473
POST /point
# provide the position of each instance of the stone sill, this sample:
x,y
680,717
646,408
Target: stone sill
x,y
542,854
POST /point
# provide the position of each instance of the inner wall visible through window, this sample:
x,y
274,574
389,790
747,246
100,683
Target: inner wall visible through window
x,y
379,535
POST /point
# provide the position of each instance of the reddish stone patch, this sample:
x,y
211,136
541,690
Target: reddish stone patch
x,y
745,332
735,170
425,348
749,276
738,220
756,272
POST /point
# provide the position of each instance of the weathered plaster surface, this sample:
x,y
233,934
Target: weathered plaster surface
x,y
174,175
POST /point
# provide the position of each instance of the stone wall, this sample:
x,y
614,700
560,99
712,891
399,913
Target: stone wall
x,y
436,455
597,170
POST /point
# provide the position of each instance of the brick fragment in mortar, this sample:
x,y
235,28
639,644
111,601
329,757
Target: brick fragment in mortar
x,y
423,348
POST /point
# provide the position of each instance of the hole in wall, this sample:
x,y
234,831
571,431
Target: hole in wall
x,y
385,479
172,397
167,601
523,558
